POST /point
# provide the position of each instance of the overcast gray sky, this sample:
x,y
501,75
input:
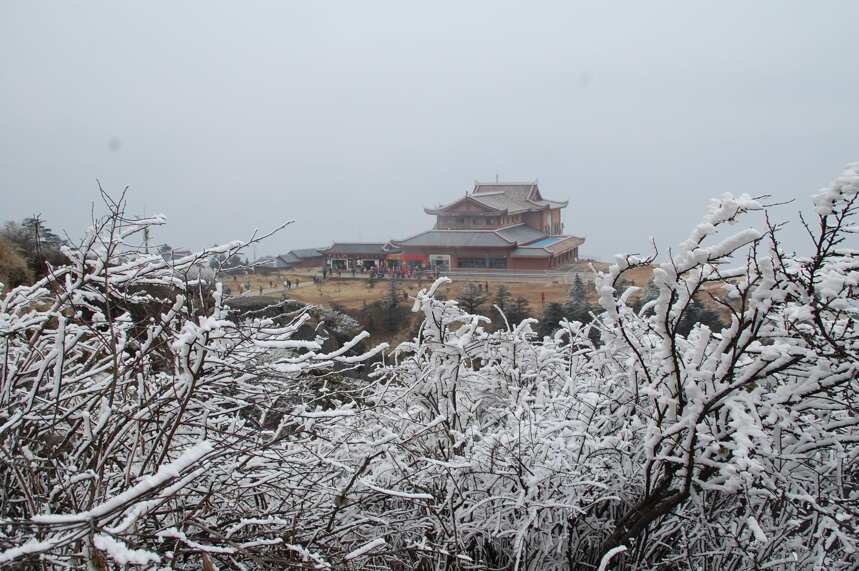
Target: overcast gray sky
x,y
352,116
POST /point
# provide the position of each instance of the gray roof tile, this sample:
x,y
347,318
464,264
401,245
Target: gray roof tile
x,y
510,197
288,259
454,238
356,248
306,253
520,233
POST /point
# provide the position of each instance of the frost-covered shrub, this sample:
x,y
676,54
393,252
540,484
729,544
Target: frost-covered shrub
x,y
133,408
471,447
729,449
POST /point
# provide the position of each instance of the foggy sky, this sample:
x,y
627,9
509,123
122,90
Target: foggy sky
x,y
351,116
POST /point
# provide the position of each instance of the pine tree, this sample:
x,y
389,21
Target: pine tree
x,y
391,306
40,235
471,299
370,324
578,294
502,299
519,309
37,243
217,261
577,307
553,313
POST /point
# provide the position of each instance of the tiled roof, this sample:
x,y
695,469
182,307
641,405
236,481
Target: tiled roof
x,y
568,243
521,190
457,238
306,253
550,203
546,242
520,233
296,256
507,197
509,236
501,201
356,248
548,246
285,261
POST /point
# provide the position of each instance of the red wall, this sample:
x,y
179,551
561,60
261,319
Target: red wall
x,y
529,263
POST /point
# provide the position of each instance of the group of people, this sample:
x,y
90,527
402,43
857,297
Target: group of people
x,y
414,272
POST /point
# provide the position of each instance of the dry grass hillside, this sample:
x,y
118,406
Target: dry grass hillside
x,y
13,267
354,293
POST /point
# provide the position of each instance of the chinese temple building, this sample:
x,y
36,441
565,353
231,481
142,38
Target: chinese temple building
x,y
345,256
497,226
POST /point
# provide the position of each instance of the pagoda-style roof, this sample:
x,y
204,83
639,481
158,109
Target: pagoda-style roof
x,y
455,239
304,253
296,257
469,204
547,247
499,198
507,237
358,248
520,233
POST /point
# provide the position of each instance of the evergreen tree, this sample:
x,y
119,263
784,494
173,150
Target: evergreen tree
x,y
553,313
233,262
578,294
37,243
370,324
40,235
217,261
502,298
391,306
577,308
519,309
471,299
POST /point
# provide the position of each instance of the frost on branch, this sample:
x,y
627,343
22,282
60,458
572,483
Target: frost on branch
x,y
731,448
142,419
132,401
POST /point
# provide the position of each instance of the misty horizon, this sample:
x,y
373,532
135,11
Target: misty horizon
x,y
350,119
